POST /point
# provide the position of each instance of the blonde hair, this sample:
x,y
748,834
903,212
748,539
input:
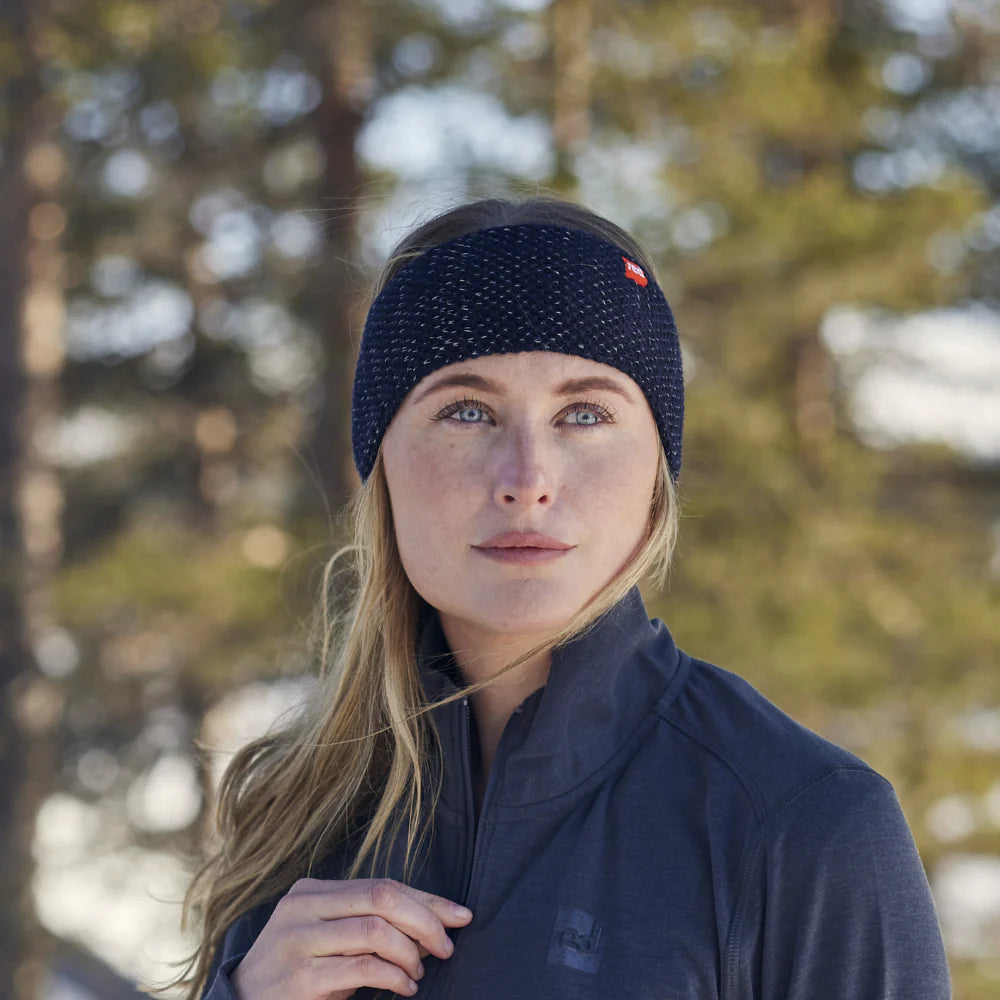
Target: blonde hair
x,y
362,757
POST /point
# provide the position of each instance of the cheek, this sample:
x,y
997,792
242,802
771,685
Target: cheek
x,y
428,500
616,487
436,476
624,474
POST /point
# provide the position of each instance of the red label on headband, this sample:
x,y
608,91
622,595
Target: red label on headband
x,y
634,272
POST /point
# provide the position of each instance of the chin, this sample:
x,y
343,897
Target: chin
x,y
523,606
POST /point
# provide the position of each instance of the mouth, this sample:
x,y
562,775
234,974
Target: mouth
x,y
522,554
524,540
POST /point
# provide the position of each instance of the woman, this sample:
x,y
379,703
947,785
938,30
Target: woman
x,y
501,724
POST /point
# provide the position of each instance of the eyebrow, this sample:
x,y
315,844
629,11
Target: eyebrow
x,y
568,388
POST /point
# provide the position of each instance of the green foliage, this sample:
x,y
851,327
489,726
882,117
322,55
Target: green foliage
x,y
850,585
160,567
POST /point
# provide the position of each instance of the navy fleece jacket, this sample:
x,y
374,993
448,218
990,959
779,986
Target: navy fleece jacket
x,y
653,828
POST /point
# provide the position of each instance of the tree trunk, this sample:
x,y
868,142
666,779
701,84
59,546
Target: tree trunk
x,y
570,28
31,359
342,57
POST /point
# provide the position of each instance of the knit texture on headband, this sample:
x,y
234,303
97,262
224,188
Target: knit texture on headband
x,y
505,289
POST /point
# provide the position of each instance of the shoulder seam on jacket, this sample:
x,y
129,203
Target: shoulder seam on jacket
x,y
730,762
750,862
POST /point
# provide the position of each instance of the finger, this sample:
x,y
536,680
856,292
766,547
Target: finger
x,y
353,971
452,914
366,934
305,885
389,900
449,912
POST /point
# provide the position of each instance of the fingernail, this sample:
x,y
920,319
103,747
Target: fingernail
x,y
462,911
420,969
413,986
449,945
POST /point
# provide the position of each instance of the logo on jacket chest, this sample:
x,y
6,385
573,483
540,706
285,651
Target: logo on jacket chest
x,y
577,940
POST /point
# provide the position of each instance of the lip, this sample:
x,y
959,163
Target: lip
x,y
523,539
524,556
524,547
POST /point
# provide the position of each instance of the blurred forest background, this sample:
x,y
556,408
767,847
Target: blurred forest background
x,y
194,198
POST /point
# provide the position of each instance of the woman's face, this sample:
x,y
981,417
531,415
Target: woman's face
x,y
512,450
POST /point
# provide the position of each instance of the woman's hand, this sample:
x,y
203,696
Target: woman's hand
x,y
327,938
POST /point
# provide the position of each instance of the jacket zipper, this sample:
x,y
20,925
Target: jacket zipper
x,y
477,824
477,827
494,768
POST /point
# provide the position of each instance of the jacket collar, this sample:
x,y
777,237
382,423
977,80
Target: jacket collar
x,y
601,685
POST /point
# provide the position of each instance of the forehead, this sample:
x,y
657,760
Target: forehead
x,y
537,371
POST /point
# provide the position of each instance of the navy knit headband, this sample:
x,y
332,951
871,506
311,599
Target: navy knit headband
x,y
505,289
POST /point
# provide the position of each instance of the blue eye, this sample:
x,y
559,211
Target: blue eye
x,y
587,413
601,413
462,406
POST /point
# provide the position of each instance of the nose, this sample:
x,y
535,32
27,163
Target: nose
x,y
524,472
